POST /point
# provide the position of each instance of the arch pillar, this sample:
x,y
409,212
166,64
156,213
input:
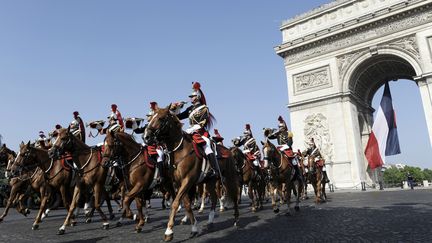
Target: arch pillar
x,y
425,87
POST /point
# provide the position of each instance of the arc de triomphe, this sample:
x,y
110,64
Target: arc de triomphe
x,y
336,57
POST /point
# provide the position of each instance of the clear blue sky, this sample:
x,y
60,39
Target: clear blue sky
x,y
60,56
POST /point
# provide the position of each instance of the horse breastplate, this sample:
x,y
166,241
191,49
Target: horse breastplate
x,y
198,115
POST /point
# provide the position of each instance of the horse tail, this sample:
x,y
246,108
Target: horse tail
x,y
210,121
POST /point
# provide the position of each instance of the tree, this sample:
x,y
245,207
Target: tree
x,y
427,173
393,176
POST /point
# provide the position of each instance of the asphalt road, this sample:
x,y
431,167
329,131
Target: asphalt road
x,y
373,216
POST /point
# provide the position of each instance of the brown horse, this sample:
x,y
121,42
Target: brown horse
x,y
138,171
91,174
28,174
282,173
256,184
165,128
55,173
316,177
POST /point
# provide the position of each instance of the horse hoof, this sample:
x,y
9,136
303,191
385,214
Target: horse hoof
x,y
182,222
288,214
222,210
147,219
105,226
35,227
1,220
168,237
88,220
200,211
112,216
61,232
235,223
119,224
87,215
73,224
193,235
297,208
276,210
138,230
254,210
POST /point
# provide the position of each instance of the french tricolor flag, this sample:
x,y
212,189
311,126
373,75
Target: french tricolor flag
x,y
383,141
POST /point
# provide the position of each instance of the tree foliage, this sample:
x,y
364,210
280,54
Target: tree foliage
x,y
394,176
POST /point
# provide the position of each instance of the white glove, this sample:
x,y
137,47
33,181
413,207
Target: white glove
x,y
192,129
256,163
134,124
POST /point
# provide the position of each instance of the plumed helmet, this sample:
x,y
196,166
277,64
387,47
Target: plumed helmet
x,y
247,130
282,123
114,106
41,133
196,90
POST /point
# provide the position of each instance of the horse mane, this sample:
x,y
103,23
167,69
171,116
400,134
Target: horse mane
x,y
127,140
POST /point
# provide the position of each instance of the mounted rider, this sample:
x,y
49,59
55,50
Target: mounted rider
x,y
250,147
200,119
284,139
314,151
77,127
42,141
217,137
155,151
115,121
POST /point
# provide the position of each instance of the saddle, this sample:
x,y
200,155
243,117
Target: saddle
x,y
223,152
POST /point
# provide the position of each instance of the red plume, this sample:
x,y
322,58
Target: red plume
x,y
247,127
196,86
216,132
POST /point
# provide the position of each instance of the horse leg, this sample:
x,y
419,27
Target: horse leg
x,y
288,188
273,192
139,204
185,186
251,195
109,205
72,207
211,188
12,196
299,186
45,195
318,195
202,189
127,200
98,189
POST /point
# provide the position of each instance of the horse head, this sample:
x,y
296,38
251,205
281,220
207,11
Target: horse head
x,y
7,157
64,142
113,147
270,153
163,126
25,161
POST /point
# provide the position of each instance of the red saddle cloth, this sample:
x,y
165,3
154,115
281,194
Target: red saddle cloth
x,y
223,152
320,163
147,161
249,156
288,152
152,149
197,138
64,163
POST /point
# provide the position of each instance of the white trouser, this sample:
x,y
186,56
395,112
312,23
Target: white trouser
x,y
207,147
160,153
284,147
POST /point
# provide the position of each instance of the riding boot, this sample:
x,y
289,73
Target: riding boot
x,y
214,164
326,179
159,165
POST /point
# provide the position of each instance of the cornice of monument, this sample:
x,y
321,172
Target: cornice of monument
x,y
314,12
328,99
348,33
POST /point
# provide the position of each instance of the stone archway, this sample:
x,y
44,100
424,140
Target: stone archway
x,y
336,58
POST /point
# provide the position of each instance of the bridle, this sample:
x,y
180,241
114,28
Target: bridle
x,y
269,155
